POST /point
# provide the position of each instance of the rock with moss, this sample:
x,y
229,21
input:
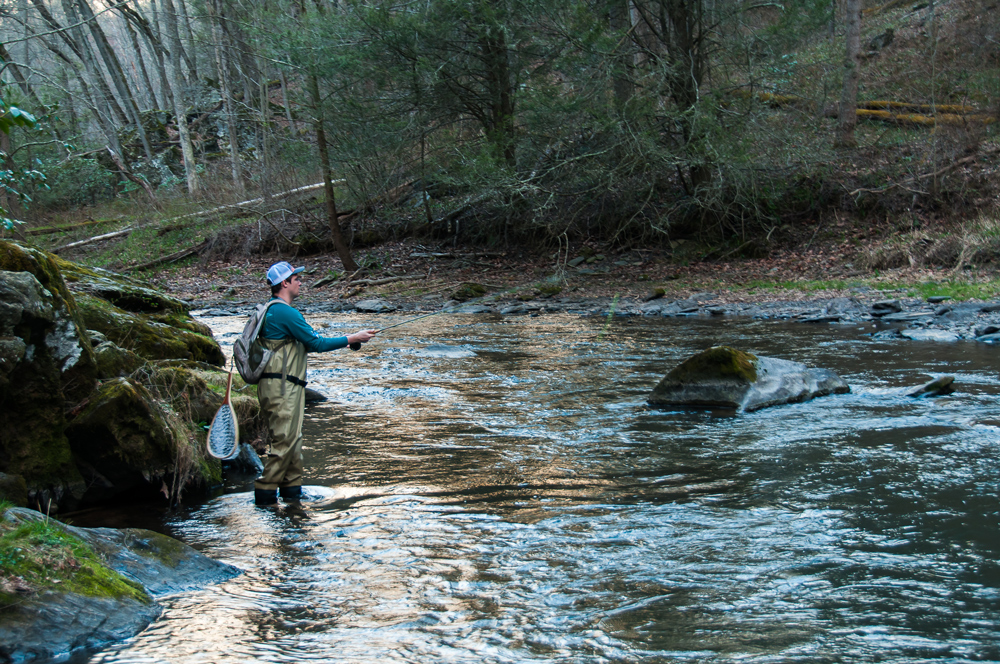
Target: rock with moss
x,y
149,336
88,409
468,291
13,489
69,589
113,361
198,389
46,363
124,438
723,377
118,289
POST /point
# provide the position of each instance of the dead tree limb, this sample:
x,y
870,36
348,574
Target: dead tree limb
x,y
388,280
169,258
48,230
96,238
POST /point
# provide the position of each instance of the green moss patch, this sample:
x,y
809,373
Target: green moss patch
x,y
718,362
40,556
468,291
147,336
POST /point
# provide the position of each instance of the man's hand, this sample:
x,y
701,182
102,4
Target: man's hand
x,y
360,337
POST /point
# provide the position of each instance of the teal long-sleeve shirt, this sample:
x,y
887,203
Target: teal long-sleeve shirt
x,y
283,321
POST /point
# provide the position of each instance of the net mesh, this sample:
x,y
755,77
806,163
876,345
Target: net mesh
x,y
223,436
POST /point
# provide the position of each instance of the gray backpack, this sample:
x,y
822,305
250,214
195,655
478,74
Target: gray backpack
x,y
249,355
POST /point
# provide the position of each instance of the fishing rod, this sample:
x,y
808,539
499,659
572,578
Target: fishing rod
x,y
357,345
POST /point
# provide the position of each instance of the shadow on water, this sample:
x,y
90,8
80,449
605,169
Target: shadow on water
x,y
500,492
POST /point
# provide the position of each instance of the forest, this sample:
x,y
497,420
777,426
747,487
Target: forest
x,y
731,125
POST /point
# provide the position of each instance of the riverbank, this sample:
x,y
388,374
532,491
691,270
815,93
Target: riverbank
x,y
816,286
419,276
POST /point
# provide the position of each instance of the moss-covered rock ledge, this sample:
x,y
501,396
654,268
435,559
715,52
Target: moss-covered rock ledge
x,y
64,589
105,386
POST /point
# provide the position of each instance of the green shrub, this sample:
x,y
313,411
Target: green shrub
x,y
75,182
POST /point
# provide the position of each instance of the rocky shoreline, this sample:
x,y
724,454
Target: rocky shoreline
x,y
934,319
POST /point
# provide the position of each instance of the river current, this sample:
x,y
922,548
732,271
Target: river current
x,y
487,489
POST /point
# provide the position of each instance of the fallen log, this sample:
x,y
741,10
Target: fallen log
x,y
916,115
388,280
169,258
480,254
919,120
878,105
96,238
48,230
255,201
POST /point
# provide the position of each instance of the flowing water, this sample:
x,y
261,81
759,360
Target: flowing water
x,y
497,490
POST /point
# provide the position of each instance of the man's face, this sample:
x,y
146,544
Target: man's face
x,y
293,284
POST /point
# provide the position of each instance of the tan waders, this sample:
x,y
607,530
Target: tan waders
x,y
282,395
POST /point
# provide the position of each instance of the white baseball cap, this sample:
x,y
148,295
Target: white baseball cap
x,y
281,271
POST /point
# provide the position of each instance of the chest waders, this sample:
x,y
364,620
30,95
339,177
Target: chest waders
x,y
282,395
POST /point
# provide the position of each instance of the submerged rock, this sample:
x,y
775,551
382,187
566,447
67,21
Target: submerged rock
x,y
104,601
938,387
444,351
918,334
723,377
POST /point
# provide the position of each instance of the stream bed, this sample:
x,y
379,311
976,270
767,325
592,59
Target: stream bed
x,y
495,489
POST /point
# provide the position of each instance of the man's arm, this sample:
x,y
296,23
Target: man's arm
x,y
283,321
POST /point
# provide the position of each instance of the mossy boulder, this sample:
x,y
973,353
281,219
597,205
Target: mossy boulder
x,y
148,335
47,363
124,439
87,409
118,289
724,377
82,588
13,489
114,361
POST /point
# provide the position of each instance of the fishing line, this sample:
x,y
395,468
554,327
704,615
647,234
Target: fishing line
x,y
611,314
357,345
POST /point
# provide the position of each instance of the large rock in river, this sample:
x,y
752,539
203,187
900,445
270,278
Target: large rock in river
x,y
723,377
46,362
105,385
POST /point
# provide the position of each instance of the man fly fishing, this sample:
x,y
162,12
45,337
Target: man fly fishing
x,y
282,387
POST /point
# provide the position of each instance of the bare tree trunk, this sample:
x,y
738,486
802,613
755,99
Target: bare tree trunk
x,y
191,61
155,38
144,75
847,118
66,65
288,107
620,20
324,159
222,63
68,103
116,72
18,75
78,43
264,143
500,129
180,110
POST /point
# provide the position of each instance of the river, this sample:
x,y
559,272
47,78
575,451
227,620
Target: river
x,y
487,489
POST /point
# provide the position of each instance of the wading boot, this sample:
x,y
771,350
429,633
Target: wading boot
x,y
291,494
265,496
